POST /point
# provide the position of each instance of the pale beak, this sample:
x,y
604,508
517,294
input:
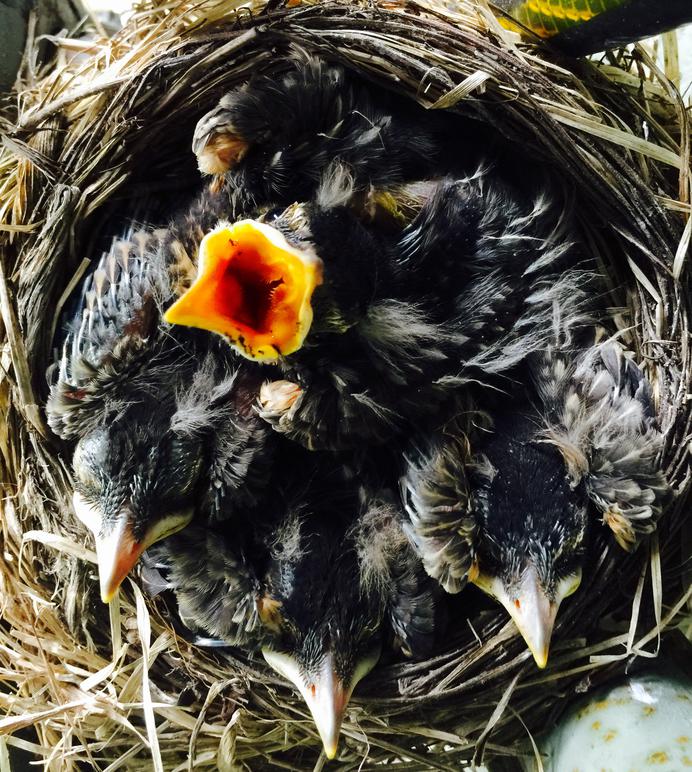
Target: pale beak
x,y
532,611
325,695
118,551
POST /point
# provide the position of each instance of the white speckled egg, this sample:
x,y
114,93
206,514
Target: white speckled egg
x,y
641,725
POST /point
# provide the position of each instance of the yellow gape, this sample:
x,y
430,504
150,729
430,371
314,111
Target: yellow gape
x,y
254,288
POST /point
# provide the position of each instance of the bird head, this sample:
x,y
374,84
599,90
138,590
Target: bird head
x,y
325,664
324,625
268,283
341,579
532,531
134,485
319,579
180,437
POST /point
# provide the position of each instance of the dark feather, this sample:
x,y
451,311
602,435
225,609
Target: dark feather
x,y
215,586
463,294
160,415
608,417
295,125
321,564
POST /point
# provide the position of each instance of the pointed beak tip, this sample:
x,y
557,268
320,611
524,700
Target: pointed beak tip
x,y
117,555
107,597
109,589
532,611
538,648
329,727
330,750
327,698
541,658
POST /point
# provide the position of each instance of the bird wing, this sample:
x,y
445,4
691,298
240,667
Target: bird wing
x,y
601,417
413,609
498,257
441,524
624,480
214,584
391,570
112,332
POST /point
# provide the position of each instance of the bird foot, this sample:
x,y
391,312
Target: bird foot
x,y
277,397
621,527
219,152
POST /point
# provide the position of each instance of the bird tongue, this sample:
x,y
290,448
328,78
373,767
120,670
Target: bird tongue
x,y
253,288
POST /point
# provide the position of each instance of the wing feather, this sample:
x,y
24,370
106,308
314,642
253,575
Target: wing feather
x,y
214,585
602,418
112,333
441,524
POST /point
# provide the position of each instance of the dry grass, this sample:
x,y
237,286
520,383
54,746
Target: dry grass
x,y
109,128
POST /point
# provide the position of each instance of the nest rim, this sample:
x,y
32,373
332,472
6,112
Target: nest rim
x,y
50,194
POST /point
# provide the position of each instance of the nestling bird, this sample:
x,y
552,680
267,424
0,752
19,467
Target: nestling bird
x,y
264,286
272,139
322,579
376,307
389,285
508,501
162,418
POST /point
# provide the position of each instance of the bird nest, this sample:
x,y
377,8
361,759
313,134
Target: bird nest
x,y
104,134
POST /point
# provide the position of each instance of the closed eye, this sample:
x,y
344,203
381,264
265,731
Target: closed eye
x,y
87,512
87,484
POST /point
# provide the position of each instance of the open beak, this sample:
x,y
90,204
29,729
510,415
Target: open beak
x,y
531,609
325,695
118,551
254,288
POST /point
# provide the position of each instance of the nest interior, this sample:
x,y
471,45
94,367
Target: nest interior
x,y
106,133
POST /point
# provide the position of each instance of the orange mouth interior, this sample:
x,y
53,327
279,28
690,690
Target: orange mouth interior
x,y
254,288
